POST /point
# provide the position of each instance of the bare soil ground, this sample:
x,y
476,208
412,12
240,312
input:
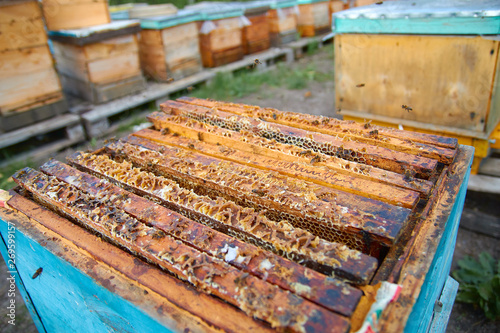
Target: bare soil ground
x,y
318,98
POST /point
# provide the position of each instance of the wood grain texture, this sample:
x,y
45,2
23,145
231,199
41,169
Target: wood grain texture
x,y
21,25
451,90
62,14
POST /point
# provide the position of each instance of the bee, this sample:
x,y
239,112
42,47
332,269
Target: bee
x,y
360,85
170,79
165,131
305,152
256,62
406,107
379,3
200,136
274,116
190,88
325,120
367,125
339,110
315,159
110,140
374,133
260,193
191,146
315,122
176,134
409,175
37,273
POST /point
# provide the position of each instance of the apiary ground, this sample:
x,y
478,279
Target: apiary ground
x,y
317,98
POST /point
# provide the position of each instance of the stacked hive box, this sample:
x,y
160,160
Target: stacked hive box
x,y
429,70
169,46
283,18
256,34
336,6
100,63
29,87
71,14
240,218
314,17
220,33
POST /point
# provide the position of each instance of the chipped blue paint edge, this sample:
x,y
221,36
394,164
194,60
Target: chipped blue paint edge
x,y
419,26
440,320
420,318
67,300
12,270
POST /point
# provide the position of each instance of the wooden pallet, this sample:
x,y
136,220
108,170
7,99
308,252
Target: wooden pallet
x,y
98,121
67,125
292,219
301,46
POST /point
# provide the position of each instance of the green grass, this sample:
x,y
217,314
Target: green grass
x,y
6,182
226,86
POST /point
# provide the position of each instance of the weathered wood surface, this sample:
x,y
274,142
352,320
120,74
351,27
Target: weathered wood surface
x,y
222,45
314,19
243,223
283,310
63,14
113,275
256,35
361,222
460,101
282,23
353,151
21,25
322,291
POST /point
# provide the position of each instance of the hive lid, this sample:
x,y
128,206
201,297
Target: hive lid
x,y
167,21
455,17
275,4
95,33
306,2
215,11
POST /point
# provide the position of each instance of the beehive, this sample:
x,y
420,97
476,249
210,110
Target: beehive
x,y
220,32
169,46
283,18
313,17
101,63
261,219
441,65
30,90
74,14
256,36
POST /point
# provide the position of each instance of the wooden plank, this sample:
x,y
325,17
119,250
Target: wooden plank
x,y
481,183
250,226
490,166
39,112
24,61
177,257
443,312
464,101
416,266
114,68
216,244
379,222
132,278
349,150
24,89
74,15
152,10
100,93
291,154
47,126
347,183
287,21
480,222
331,126
21,25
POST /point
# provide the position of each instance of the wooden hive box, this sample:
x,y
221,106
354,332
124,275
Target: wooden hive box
x,y
101,63
314,17
336,6
437,74
231,217
220,32
30,90
256,36
283,18
169,46
74,14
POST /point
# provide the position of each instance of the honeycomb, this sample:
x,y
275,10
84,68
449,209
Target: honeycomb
x,y
244,223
